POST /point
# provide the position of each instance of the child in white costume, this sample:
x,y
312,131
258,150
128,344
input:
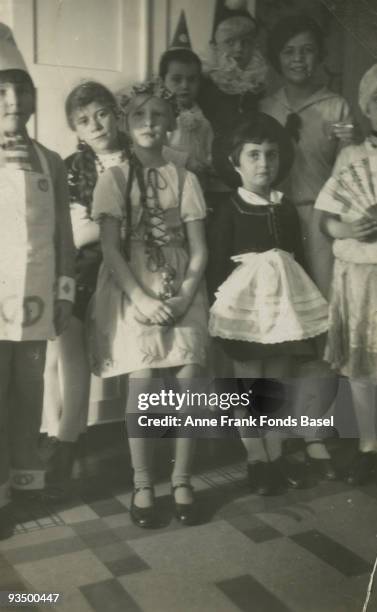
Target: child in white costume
x,y
150,306
190,144
348,202
36,275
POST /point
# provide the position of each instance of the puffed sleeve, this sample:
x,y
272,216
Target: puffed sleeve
x,y
109,196
193,206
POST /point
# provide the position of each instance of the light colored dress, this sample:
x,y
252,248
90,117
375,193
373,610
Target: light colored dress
x,y
352,338
315,156
119,344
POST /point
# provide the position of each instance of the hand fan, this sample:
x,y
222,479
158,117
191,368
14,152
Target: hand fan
x,y
355,187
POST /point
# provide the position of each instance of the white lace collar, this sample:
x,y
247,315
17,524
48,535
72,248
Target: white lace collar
x,y
231,79
253,198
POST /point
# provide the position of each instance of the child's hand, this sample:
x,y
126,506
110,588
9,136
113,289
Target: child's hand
x,y
62,315
154,311
344,131
363,229
178,306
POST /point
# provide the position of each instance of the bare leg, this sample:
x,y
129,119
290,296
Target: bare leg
x,y
316,389
141,449
364,401
279,369
254,446
5,375
184,447
52,398
75,375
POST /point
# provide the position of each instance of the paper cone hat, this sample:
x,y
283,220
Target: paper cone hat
x,y
181,39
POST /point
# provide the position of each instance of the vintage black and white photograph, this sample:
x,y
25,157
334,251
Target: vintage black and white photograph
x,y
188,305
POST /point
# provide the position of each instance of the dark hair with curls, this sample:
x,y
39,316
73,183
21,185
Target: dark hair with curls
x,y
82,171
260,129
288,28
183,56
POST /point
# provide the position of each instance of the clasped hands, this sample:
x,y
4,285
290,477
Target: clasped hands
x,y
152,311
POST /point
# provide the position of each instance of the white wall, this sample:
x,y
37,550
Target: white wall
x,y
116,42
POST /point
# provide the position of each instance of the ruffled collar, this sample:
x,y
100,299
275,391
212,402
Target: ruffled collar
x,y
108,160
249,197
191,119
231,79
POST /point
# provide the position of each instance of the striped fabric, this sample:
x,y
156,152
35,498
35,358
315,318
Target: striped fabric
x,y
16,153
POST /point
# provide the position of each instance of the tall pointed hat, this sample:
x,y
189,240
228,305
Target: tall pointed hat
x,y
181,38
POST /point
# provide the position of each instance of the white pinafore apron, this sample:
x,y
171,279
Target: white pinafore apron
x,y
27,253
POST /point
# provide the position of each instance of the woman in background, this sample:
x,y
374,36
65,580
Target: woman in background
x,y
320,123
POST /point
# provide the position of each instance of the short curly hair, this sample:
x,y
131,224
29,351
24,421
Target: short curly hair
x,y
288,28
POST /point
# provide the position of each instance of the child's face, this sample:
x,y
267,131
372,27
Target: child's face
x,y
299,59
148,121
259,166
17,100
96,125
371,112
183,80
240,48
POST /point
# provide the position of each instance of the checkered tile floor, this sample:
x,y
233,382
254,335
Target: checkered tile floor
x,y
306,551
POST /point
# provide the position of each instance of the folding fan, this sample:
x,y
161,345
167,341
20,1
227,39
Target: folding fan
x,y
355,187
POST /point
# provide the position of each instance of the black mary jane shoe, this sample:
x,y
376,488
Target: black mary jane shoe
x,y
7,522
292,472
362,469
323,468
259,477
142,517
184,513
265,478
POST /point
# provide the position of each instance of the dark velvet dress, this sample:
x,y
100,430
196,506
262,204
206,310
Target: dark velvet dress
x,y
237,227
